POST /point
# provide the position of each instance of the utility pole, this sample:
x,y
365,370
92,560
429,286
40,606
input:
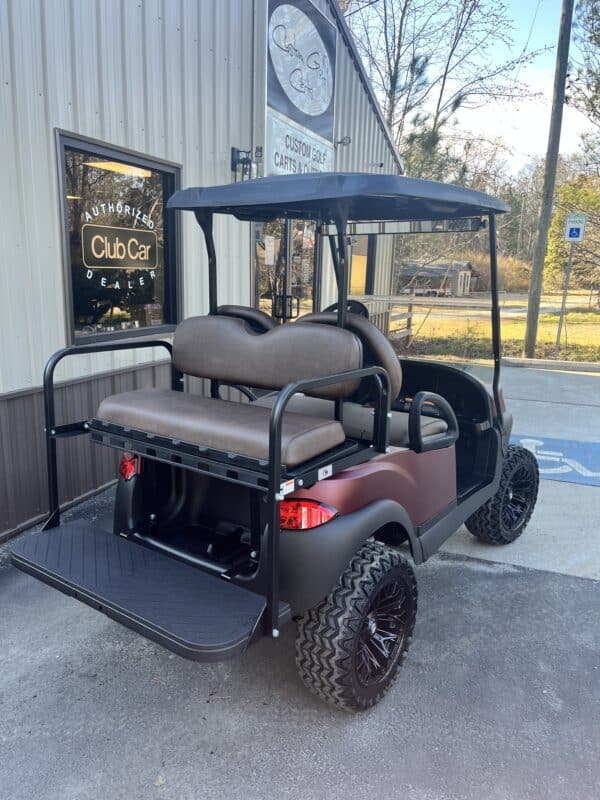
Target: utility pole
x,y
539,253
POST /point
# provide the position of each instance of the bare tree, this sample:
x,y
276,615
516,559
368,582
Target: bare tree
x,y
584,85
428,58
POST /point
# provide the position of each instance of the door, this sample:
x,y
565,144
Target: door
x,y
285,255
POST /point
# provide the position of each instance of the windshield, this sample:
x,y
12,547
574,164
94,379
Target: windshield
x,y
439,302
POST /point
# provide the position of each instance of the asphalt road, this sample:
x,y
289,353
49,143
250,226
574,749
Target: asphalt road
x,y
478,305
499,697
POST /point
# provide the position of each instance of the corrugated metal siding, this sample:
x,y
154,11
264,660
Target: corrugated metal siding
x,y
170,78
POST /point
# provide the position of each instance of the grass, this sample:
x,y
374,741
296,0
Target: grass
x,y
469,336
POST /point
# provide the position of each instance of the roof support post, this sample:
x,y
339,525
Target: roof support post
x,y
342,301
342,272
334,258
205,220
496,335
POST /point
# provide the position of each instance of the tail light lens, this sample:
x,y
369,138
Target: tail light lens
x,y
302,515
129,466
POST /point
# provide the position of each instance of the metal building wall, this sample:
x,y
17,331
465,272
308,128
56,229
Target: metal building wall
x,y
169,78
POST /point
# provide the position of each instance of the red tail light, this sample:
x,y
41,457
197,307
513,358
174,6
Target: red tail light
x,y
129,466
302,515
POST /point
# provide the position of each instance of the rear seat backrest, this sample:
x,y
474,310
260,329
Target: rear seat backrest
x,y
227,349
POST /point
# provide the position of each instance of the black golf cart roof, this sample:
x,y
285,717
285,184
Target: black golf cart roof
x,y
331,196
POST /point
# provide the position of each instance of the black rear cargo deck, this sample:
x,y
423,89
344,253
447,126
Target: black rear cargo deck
x,y
193,613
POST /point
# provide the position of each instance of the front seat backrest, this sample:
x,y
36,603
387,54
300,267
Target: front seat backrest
x,y
378,352
257,319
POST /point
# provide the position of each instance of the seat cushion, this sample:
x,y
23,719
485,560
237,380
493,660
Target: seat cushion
x,y
240,428
358,420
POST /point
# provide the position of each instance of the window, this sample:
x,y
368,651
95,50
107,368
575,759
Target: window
x,y
362,264
120,241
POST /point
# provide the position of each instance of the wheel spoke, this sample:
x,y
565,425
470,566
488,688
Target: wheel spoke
x,y
382,633
518,498
371,657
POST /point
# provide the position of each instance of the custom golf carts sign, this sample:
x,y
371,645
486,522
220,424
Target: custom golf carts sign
x,y
575,227
300,89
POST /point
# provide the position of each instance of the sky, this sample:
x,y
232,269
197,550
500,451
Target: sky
x,y
524,125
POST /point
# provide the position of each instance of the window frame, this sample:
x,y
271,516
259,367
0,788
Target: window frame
x,y
172,249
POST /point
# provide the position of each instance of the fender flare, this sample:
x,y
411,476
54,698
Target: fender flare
x,y
312,561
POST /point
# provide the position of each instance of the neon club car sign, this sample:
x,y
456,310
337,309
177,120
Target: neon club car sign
x,y
300,88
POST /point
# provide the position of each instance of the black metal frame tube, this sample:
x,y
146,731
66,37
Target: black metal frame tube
x,y
51,430
205,220
343,268
334,257
380,442
496,325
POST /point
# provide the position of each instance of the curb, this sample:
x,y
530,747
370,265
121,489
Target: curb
x,y
548,363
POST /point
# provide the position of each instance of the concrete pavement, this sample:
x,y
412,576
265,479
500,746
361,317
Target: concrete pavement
x,y
563,535
499,697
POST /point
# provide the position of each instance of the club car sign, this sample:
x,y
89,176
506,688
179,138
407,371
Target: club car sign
x,y
118,247
300,89
108,247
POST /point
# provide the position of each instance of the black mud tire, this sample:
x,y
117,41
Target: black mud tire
x,y
504,517
378,588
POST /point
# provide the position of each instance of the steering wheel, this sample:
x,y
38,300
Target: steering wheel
x,y
353,307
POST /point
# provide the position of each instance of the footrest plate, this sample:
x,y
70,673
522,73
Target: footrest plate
x,y
193,613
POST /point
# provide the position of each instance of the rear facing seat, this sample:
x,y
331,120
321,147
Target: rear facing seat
x,y
227,349
240,428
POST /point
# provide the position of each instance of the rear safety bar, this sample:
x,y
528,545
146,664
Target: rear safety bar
x,y
54,431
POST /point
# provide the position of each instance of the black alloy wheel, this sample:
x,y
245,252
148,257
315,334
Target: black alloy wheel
x,y
382,634
350,647
518,498
504,517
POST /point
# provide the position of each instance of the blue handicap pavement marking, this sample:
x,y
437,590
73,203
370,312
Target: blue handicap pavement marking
x,y
564,459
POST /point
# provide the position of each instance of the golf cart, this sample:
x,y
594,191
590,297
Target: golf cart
x,y
233,518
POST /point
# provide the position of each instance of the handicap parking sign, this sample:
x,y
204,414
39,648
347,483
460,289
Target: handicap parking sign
x,y
575,227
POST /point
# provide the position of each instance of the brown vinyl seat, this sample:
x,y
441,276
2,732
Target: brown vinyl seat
x,y
358,417
229,349
377,350
358,420
240,428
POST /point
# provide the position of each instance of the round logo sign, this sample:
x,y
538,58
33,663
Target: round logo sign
x,y
300,60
